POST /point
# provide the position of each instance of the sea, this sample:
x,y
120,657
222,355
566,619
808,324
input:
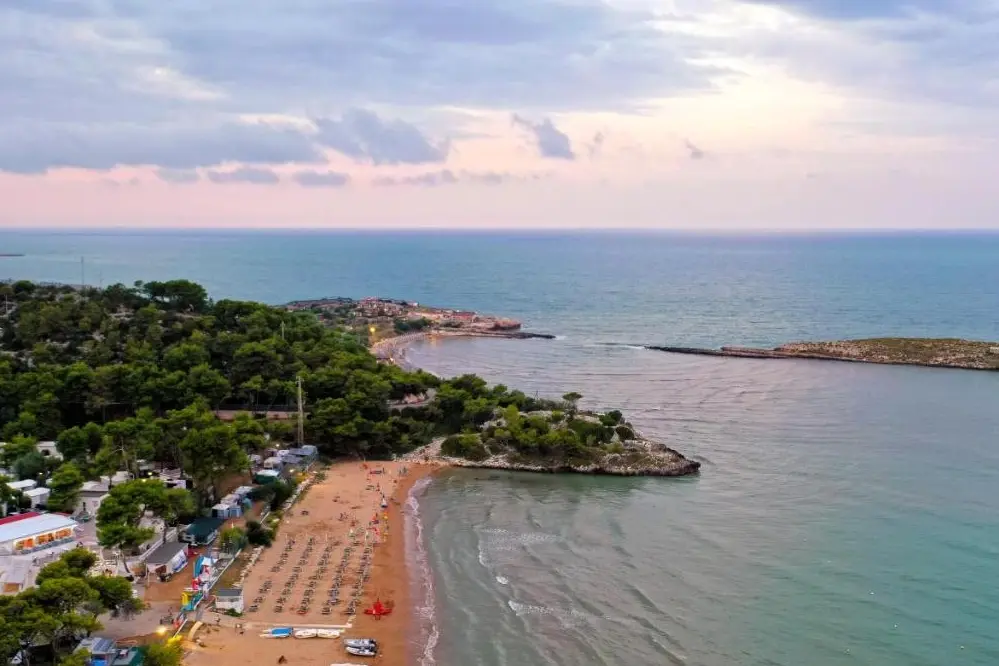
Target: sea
x,y
845,514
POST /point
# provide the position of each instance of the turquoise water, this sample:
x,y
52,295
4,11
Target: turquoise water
x,y
846,514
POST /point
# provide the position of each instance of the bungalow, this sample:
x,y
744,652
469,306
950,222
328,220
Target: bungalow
x,y
274,462
105,652
202,531
168,558
38,496
229,599
22,486
265,476
48,449
92,494
307,452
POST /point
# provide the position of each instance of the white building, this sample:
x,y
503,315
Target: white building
x,y
38,496
49,449
92,493
169,558
33,532
229,599
22,486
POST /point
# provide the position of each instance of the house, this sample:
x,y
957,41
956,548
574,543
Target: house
x,y
15,575
33,532
265,476
227,599
307,451
22,486
105,652
202,531
230,506
274,462
38,496
92,493
169,558
48,449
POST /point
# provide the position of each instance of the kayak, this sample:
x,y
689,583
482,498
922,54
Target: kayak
x,y
327,633
305,633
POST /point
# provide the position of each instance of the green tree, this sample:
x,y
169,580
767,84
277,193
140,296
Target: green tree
x,y
65,485
572,402
209,455
169,653
32,465
78,444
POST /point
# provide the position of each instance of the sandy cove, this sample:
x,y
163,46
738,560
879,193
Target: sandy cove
x,y
349,488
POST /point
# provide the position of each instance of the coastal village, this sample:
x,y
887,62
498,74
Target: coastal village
x,y
387,314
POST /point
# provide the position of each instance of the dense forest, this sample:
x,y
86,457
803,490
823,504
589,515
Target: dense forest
x,y
124,374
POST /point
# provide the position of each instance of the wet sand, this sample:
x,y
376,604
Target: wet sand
x,y
349,488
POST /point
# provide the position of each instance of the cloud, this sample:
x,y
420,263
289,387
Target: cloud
x,y
35,147
860,9
321,179
530,54
693,151
244,175
550,140
449,177
178,176
364,136
596,144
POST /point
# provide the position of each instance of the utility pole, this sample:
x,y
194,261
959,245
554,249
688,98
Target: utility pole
x,y
301,415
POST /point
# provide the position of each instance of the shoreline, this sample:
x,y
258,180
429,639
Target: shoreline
x,y
393,349
400,637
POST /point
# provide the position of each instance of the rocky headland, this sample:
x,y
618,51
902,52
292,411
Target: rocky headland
x,y
507,443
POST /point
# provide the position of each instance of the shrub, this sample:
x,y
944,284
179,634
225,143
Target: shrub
x,y
257,534
624,433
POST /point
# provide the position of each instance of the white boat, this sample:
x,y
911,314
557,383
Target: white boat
x,y
369,643
328,633
361,651
305,633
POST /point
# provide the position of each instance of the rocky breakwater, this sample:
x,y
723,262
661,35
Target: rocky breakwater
x,y
930,352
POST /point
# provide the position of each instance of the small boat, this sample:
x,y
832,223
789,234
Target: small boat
x,y
305,633
280,632
328,633
361,651
361,643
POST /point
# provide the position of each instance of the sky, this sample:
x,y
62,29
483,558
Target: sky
x,y
690,114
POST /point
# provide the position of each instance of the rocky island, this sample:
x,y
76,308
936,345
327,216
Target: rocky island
x,y
931,352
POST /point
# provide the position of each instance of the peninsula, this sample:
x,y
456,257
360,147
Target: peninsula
x,y
381,318
931,352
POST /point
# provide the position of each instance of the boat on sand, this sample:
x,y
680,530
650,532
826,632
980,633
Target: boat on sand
x,y
305,633
328,633
361,651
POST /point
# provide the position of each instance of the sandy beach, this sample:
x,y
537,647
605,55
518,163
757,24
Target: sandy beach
x,y
344,504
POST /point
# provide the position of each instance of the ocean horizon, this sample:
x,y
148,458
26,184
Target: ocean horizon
x,y
845,513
